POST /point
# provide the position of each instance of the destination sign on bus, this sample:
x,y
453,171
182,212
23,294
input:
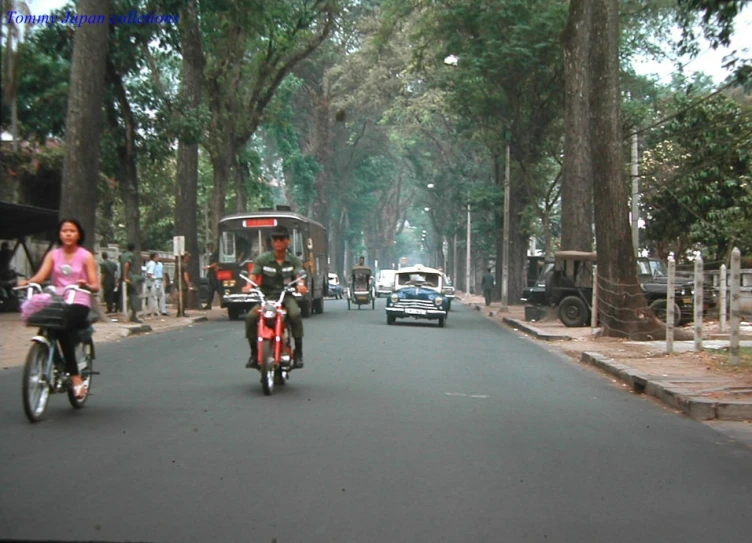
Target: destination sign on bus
x,y
259,223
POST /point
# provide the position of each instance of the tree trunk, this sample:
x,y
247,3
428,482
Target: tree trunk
x,y
83,126
126,150
239,169
576,184
623,305
518,241
186,208
221,164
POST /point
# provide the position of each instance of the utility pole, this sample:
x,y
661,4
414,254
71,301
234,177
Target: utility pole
x,y
505,247
467,257
635,195
455,279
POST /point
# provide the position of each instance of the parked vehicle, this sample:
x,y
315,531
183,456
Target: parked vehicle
x,y
277,347
448,292
361,290
244,236
335,287
418,293
10,297
44,371
567,285
385,282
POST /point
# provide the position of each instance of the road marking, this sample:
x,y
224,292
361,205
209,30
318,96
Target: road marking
x,y
460,394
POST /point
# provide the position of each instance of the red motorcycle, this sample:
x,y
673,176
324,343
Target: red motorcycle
x,y
276,345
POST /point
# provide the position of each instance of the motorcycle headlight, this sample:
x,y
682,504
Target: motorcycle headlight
x,y
269,311
394,298
438,301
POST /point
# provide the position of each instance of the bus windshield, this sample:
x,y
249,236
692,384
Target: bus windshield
x,y
246,244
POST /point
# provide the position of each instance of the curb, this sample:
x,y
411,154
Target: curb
x,y
533,331
679,398
132,330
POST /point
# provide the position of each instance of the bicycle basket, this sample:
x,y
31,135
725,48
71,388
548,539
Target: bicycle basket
x,y
53,315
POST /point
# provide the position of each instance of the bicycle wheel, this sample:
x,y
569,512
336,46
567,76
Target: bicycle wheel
x,y
85,370
36,388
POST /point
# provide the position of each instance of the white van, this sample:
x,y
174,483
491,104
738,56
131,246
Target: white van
x,y
385,282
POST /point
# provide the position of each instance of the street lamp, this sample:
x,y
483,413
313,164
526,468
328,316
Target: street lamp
x,y
430,185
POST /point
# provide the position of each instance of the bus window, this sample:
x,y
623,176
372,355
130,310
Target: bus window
x,y
240,246
297,243
227,247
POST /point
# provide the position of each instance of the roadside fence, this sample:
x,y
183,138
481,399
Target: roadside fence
x,y
686,299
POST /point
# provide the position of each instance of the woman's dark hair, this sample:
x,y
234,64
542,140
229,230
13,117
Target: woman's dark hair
x,y
81,233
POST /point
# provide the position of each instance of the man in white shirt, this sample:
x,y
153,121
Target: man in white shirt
x,y
155,278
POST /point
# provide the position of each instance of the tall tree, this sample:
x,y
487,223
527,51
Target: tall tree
x,y
250,48
84,120
186,208
576,183
623,303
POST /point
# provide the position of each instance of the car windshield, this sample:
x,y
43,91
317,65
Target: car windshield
x,y
422,279
652,267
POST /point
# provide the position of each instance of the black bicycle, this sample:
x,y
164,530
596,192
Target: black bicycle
x,y
44,372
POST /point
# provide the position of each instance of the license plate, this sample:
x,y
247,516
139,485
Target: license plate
x,y
410,311
687,300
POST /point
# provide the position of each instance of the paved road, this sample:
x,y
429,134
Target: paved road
x,y
391,433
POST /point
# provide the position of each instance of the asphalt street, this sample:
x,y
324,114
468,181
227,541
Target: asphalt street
x,y
390,434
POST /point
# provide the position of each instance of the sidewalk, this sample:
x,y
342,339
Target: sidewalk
x,y
15,336
702,384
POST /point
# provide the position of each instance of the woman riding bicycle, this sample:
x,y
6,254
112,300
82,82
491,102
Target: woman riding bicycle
x,y
71,264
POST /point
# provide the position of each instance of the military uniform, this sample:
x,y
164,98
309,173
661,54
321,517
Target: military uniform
x,y
275,277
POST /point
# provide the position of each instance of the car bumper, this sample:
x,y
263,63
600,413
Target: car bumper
x,y
401,312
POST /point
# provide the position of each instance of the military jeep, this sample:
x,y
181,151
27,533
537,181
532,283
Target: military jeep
x,y
567,286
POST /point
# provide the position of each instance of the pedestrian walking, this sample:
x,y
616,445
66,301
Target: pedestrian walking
x,y
211,274
488,285
184,283
130,282
108,273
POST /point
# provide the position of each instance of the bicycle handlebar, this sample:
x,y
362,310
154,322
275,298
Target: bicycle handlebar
x,y
36,287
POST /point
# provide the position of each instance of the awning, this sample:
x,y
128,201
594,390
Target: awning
x,y
18,221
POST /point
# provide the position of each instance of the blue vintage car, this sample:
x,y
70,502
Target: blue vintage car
x,y
418,294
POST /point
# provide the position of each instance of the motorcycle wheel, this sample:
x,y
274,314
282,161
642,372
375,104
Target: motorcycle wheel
x,y
36,389
268,368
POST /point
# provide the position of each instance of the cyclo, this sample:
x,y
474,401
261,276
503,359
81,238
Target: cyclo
x,y
361,290
276,346
44,371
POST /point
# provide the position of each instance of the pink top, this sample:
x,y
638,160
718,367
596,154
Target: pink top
x,y
68,272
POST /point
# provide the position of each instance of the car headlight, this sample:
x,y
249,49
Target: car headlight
x,y
438,301
394,298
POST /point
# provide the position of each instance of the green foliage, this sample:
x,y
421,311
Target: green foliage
x,y
699,178
43,74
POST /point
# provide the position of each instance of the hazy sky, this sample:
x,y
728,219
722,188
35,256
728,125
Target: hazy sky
x,y
708,61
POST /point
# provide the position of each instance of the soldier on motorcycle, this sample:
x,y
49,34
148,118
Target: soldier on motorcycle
x,y
272,271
